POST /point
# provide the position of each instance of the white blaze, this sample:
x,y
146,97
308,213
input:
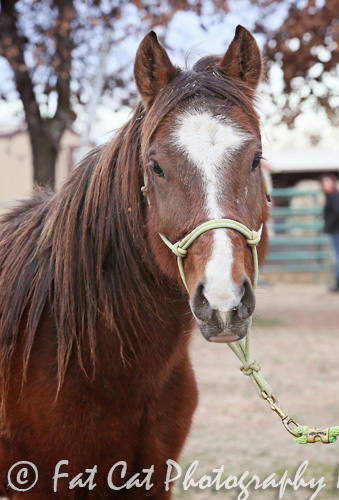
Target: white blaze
x,y
209,142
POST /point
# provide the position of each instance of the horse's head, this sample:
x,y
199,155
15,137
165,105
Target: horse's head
x,y
201,152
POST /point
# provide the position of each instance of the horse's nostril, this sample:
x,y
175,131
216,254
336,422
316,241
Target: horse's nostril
x,y
201,307
247,304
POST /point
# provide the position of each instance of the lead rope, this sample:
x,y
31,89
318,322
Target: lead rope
x,y
250,367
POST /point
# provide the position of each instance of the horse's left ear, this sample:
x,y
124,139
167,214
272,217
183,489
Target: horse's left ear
x,y
152,68
242,59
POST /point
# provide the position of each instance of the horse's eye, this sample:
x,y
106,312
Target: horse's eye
x,y
157,169
256,162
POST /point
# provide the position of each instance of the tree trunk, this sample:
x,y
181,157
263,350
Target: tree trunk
x,y
44,160
45,133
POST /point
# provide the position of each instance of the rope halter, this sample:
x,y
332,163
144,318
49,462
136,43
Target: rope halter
x,y
250,367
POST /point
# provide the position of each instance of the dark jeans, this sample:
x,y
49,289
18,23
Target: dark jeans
x,y
335,240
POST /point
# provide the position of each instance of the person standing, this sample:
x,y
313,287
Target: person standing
x,y
329,185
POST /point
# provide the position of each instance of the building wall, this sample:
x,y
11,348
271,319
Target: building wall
x,y
16,167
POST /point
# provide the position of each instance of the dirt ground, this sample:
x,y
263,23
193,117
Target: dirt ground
x,y
296,340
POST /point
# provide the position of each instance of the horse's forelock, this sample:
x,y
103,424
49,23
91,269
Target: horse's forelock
x,y
205,81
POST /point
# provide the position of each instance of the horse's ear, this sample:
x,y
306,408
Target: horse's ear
x,y
152,68
242,59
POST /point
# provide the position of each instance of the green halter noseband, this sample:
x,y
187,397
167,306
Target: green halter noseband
x,y
180,248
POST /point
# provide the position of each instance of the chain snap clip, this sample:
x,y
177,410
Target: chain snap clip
x,y
285,419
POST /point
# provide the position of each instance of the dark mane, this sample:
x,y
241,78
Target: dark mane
x,y
64,247
78,251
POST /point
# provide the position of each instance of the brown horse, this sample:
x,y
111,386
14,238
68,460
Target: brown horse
x,y
94,318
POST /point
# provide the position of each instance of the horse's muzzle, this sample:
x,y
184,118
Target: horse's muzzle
x,y
229,326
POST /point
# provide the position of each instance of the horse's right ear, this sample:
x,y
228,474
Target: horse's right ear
x,y
152,68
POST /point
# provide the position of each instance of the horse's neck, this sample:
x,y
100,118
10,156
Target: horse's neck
x,y
150,346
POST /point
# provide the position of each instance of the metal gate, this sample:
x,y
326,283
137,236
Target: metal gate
x,y
297,241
